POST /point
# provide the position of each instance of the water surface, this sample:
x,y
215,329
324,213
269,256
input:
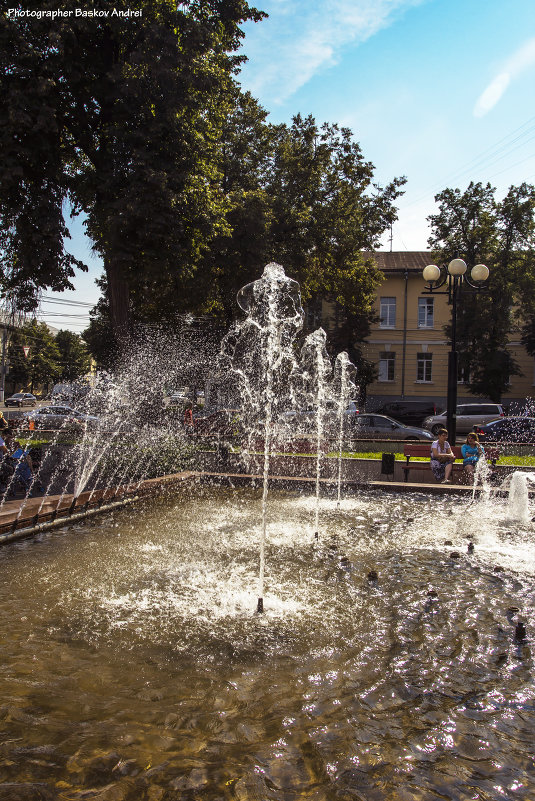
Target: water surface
x,y
134,666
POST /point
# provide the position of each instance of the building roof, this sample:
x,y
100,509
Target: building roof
x,y
388,261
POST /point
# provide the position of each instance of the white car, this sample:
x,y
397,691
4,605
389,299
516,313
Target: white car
x,y
56,417
467,415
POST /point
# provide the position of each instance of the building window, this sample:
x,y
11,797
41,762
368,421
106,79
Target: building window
x,y
313,313
424,370
387,364
388,313
426,312
463,374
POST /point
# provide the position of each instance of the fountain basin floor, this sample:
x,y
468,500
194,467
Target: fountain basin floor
x,y
134,666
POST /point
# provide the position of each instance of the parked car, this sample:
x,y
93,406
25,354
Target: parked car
x,y
55,417
378,426
410,412
508,429
21,399
178,399
468,415
305,421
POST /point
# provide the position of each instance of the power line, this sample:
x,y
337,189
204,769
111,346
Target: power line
x,y
48,299
488,157
61,314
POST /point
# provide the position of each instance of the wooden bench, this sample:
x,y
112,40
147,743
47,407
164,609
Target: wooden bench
x,y
419,449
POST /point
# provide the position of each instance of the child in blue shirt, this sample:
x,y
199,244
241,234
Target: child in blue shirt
x,y
471,451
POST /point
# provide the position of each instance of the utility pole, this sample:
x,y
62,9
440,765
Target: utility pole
x,y
3,366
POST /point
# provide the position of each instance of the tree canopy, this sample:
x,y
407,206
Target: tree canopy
x,y
48,359
187,190
474,226
120,119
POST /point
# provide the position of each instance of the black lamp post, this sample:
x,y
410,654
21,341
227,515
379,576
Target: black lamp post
x,y
453,276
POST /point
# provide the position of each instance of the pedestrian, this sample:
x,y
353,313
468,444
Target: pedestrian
x,y
442,458
471,452
24,470
188,418
3,422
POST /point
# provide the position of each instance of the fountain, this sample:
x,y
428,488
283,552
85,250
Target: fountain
x,y
309,383
258,350
518,499
343,389
381,667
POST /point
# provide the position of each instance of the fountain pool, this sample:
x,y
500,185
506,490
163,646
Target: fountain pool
x,y
134,666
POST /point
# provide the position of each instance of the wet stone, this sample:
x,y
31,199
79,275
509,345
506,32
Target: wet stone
x,y
93,770
27,791
196,780
127,767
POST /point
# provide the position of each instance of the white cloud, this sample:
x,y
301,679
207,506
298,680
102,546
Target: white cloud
x,y
302,37
522,59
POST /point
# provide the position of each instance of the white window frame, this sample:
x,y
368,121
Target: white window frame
x,y
465,376
424,304
387,312
388,359
425,361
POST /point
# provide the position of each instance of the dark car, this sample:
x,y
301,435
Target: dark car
x,y
508,429
409,412
21,399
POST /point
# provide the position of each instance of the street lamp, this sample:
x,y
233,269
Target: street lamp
x,y
453,277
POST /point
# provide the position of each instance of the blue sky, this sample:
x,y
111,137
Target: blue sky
x,y
441,91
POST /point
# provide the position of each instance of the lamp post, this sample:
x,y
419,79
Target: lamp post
x,y
453,276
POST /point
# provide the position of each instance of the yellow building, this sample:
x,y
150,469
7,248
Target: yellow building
x,y
408,344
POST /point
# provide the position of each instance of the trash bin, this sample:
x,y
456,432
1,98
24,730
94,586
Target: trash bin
x,y
388,461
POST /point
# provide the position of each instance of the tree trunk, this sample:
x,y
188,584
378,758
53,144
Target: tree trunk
x,y
119,300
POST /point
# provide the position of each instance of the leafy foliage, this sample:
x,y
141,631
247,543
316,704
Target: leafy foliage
x,y
120,117
75,360
500,234
49,358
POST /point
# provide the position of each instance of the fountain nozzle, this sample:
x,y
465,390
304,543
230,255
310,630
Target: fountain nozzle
x,y
520,631
260,606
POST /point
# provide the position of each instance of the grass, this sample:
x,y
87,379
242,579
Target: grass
x,y
517,461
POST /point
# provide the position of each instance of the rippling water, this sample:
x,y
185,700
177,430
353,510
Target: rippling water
x,y
134,666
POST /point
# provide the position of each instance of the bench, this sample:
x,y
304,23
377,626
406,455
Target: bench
x,y
419,449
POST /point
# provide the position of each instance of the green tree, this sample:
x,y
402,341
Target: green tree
x,y
304,196
98,336
41,366
75,360
19,372
476,227
120,117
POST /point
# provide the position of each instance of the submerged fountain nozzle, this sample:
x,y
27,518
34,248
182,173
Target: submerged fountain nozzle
x,y
520,632
260,606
